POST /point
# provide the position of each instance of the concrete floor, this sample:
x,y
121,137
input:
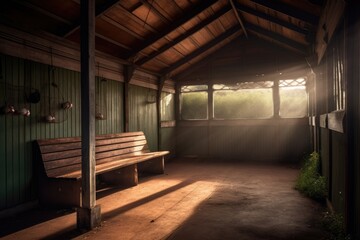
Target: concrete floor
x,y
193,200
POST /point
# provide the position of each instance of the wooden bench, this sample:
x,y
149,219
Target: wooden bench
x,y
119,157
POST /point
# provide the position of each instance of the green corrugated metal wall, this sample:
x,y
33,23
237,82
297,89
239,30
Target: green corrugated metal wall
x,y
143,116
167,106
338,171
168,134
17,181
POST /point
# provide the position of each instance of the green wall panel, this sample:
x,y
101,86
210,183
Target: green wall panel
x,y
143,116
338,171
167,106
168,140
19,77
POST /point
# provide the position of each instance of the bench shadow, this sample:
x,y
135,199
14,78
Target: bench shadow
x,y
41,215
30,218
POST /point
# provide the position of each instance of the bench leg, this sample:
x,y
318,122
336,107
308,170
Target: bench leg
x,y
155,166
126,176
59,193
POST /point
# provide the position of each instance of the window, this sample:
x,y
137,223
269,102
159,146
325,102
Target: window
x,y
194,102
243,100
293,98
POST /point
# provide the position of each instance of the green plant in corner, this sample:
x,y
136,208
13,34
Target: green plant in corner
x,y
310,182
334,224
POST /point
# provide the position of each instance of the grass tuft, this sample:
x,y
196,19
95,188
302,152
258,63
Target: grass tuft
x,y
310,182
334,224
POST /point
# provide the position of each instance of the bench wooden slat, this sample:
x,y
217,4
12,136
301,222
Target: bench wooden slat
x,y
119,140
48,148
109,166
110,147
61,163
61,155
60,147
78,139
57,172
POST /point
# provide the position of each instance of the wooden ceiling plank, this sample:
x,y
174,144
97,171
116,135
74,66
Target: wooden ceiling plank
x,y
156,11
98,13
118,25
270,18
201,50
174,25
237,15
288,10
188,33
112,41
277,37
43,11
135,18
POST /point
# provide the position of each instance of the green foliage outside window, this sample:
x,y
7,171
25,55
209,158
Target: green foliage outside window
x,y
244,103
293,102
194,105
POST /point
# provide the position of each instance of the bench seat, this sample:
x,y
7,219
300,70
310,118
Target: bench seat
x,y
119,158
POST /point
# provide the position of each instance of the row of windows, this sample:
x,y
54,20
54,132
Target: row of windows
x,y
249,100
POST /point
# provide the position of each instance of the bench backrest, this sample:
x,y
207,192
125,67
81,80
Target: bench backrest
x,y
63,155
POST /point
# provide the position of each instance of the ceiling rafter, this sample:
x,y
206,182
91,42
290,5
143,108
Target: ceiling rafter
x,y
135,18
201,50
99,11
288,10
182,37
237,15
174,25
112,41
155,10
270,18
42,11
278,37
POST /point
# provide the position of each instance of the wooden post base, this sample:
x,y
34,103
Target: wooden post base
x,y
88,218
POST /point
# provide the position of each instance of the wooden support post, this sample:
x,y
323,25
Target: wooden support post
x,y
276,99
158,107
128,74
88,216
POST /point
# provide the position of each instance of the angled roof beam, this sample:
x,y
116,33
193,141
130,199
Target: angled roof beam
x,y
277,37
98,12
42,11
288,10
174,25
201,50
270,18
153,9
237,15
182,37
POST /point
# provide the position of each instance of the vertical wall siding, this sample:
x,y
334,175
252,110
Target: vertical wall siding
x,y
17,179
246,143
114,115
143,116
325,157
338,171
168,134
192,141
167,106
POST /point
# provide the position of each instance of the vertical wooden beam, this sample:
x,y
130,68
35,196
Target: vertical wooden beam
x,y
88,216
210,115
276,99
352,75
238,18
158,107
128,74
